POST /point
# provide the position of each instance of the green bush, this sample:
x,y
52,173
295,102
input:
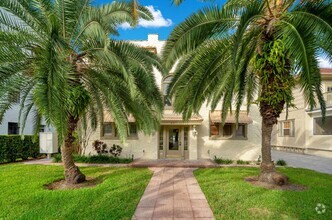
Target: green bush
x,y
281,162
220,160
94,159
242,162
12,147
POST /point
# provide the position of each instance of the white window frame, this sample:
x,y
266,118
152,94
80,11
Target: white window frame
x,y
291,129
233,132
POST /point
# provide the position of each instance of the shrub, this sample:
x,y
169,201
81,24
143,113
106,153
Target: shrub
x,y
116,150
222,161
57,158
281,162
242,162
99,159
99,146
12,147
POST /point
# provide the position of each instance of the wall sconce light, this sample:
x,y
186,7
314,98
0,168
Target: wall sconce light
x,y
195,131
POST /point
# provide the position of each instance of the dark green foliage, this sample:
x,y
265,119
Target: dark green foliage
x,y
100,159
99,147
273,68
116,150
242,162
220,160
61,58
281,162
12,147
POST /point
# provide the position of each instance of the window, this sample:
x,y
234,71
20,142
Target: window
x,y
241,131
229,131
161,138
323,129
329,88
328,95
42,128
287,128
152,49
132,129
167,100
214,129
107,129
186,138
13,128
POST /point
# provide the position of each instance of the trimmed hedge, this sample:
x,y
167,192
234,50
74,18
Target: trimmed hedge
x,y
12,147
99,159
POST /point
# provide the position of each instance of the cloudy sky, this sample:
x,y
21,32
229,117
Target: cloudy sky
x,y
167,16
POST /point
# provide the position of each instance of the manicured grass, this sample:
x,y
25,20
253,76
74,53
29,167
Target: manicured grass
x,y
230,197
24,197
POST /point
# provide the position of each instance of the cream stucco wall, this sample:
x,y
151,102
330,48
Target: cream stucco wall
x,y
145,147
304,120
247,149
317,144
298,115
200,145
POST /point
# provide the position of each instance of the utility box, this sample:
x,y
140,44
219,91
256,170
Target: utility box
x,y
48,142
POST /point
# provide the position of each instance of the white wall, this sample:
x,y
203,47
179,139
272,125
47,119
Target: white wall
x,y
12,116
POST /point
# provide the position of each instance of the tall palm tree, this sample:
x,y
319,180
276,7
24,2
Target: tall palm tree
x,y
250,47
59,58
179,2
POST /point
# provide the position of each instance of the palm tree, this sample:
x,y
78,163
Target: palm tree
x,y
59,58
178,2
250,48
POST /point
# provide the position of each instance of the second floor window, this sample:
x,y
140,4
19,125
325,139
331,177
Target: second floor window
x,y
321,128
167,101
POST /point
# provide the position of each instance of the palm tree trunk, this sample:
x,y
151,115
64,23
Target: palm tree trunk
x,y
72,173
268,171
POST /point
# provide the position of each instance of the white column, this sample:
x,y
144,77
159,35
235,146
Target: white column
x,y
193,154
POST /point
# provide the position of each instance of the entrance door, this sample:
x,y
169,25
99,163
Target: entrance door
x,y
174,143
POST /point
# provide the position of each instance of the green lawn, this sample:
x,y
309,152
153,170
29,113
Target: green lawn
x,y
24,197
230,197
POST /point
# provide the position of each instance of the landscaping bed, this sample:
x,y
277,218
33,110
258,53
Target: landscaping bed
x,y
231,197
96,159
24,195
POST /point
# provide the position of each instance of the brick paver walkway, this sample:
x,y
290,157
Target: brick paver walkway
x,y
173,193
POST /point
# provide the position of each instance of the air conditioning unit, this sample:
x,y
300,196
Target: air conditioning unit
x,y
48,142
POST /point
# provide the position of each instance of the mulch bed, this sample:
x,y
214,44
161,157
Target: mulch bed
x,y
63,185
253,180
